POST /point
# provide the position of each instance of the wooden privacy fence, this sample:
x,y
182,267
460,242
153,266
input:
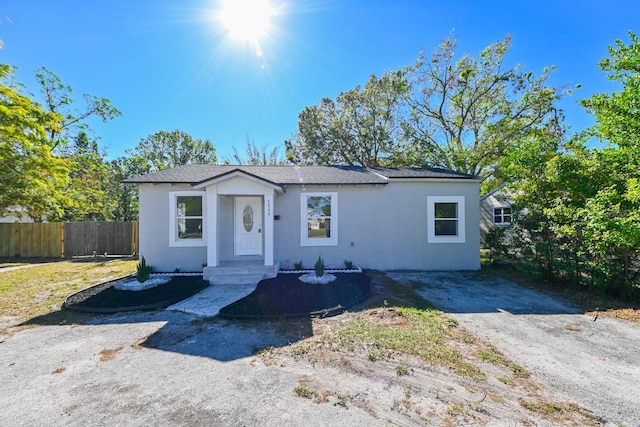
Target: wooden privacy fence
x,y
57,240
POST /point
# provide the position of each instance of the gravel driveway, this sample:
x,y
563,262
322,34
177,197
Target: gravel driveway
x,y
173,368
147,369
596,364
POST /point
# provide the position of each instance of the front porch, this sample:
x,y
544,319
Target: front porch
x,y
240,240
240,272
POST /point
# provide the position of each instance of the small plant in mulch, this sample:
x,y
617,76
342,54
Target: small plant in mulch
x,y
348,264
319,267
143,271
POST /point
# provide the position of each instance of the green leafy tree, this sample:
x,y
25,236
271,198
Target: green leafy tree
x,y
58,99
255,155
86,189
164,150
582,203
464,113
88,185
612,216
161,150
360,127
30,175
124,197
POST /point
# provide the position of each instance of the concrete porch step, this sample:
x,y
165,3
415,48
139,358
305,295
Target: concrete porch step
x,y
247,272
235,279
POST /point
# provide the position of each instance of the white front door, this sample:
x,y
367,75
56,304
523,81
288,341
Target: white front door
x,y
248,226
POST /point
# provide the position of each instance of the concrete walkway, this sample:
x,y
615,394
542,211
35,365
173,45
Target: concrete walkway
x,y
210,300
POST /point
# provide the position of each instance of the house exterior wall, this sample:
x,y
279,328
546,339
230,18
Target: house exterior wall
x,y
383,227
154,218
487,205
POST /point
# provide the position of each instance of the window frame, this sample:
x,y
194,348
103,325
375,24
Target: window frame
x,y
305,240
502,215
460,237
174,240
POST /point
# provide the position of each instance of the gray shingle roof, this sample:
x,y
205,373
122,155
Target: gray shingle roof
x,y
421,173
290,175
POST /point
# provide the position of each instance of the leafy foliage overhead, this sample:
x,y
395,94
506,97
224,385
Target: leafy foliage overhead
x,y
31,177
255,155
73,121
582,202
168,149
359,128
463,114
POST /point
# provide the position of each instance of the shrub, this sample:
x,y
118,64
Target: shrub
x,y
348,264
143,270
319,267
297,265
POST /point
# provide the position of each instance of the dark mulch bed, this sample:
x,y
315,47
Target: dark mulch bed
x,y
104,298
285,295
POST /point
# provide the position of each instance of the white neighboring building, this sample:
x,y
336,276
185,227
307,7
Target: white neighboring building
x,y
495,211
15,214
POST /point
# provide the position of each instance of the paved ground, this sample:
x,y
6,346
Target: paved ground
x,y
174,367
594,363
161,368
211,299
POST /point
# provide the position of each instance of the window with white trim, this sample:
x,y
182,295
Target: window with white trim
x,y
502,216
445,216
319,219
187,213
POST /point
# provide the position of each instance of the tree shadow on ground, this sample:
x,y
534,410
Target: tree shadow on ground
x,y
183,333
213,337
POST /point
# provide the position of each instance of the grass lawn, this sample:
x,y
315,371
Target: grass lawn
x,y
39,289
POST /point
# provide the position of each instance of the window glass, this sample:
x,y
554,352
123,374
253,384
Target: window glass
x,y
319,219
189,228
189,217
446,227
189,205
502,215
446,210
446,219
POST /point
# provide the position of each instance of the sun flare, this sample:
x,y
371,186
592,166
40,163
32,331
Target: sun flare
x,y
246,20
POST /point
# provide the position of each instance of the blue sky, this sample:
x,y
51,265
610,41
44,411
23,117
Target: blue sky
x,y
168,65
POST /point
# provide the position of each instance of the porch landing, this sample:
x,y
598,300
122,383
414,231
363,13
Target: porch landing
x,y
239,272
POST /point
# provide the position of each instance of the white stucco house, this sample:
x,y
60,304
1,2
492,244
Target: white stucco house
x,y
223,220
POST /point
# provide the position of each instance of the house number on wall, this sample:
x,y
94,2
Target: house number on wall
x,y
268,207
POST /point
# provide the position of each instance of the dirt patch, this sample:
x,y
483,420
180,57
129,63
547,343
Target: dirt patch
x,y
567,351
109,353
